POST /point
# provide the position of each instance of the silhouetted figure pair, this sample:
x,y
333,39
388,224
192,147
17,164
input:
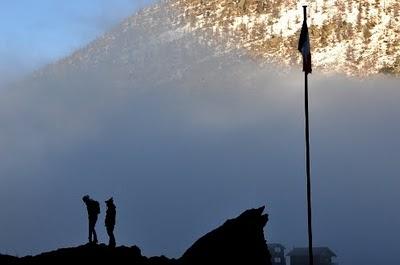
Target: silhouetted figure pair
x,y
93,209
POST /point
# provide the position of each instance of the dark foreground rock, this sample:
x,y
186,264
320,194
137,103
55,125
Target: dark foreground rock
x,y
237,241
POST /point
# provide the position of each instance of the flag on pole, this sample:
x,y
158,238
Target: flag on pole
x,y
304,47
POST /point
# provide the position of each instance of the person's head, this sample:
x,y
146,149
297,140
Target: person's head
x,y
86,198
110,201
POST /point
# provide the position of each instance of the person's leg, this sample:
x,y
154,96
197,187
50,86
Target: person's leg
x,y
94,236
110,232
94,231
112,238
90,231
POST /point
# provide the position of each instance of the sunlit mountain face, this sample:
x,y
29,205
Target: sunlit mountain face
x,y
357,37
353,37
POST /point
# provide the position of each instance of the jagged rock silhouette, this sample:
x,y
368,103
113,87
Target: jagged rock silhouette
x,y
238,241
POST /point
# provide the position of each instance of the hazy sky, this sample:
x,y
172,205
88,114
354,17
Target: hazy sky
x,y
34,33
184,147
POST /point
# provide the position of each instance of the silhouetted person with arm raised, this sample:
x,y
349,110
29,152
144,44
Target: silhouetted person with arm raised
x,y
93,209
110,221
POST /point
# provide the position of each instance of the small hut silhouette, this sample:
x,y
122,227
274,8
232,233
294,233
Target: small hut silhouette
x,y
322,256
277,252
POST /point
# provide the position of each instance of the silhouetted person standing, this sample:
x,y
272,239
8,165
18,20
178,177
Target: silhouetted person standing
x,y
93,209
110,221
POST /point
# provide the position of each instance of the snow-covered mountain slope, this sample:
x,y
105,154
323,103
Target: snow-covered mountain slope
x,y
357,37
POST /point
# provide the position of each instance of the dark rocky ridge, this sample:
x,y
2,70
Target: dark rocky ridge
x,y
238,241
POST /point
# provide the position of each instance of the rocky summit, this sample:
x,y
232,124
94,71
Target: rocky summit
x,y
238,241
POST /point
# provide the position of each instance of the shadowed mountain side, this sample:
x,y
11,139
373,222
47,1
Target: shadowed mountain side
x,y
237,241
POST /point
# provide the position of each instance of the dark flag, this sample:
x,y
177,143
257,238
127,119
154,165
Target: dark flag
x,y
304,47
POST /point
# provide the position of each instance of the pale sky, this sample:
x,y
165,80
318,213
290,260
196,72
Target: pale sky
x,y
35,33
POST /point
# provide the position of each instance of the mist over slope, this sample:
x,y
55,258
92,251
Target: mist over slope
x,y
183,135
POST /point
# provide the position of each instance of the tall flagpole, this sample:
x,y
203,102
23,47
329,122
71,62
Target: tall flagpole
x,y
308,170
308,166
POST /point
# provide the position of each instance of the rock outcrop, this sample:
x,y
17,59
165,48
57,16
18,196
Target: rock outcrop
x,y
238,241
